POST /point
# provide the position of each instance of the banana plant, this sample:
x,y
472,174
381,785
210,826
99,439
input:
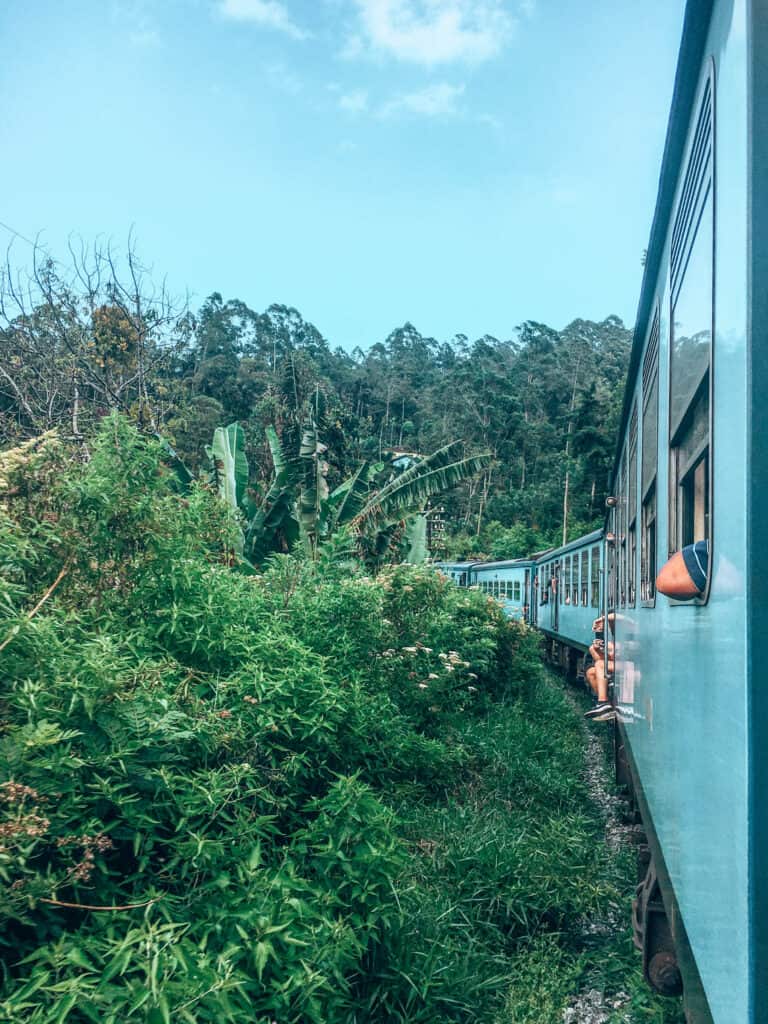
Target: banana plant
x,y
376,506
229,464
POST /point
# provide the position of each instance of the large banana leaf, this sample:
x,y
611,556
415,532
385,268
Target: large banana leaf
x,y
416,536
346,500
314,486
230,465
409,492
274,525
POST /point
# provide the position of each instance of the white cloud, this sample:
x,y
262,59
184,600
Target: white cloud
x,y
268,13
354,102
438,100
432,32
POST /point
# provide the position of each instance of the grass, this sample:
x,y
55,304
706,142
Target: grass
x,y
506,873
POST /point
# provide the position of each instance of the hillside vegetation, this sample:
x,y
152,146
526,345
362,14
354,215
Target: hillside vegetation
x,y
255,764
78,342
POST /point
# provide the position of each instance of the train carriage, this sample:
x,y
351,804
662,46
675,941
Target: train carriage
x,y
508,581
570,591
691,465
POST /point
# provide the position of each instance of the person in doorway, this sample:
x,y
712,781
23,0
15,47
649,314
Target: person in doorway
x,y
684,576
596,675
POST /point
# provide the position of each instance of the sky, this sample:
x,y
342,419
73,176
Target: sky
x,y
464,165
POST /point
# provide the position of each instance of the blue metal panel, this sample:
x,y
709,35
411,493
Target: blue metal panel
x,y
757,489
681,671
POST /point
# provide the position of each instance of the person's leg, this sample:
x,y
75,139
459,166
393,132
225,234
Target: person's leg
x,y
601,682
591,677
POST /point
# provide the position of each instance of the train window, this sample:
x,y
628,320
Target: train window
x,y
585,577
516,591
648,464
691,300
621,534
567,579
595,579
575,580
544,589
632,509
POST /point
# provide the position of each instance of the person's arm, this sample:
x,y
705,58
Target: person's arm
x,y
674,579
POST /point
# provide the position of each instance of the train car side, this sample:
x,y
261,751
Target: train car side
x,y
685,671
569,598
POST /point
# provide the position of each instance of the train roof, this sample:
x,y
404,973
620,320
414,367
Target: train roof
x,y
503,564
695,29
580,542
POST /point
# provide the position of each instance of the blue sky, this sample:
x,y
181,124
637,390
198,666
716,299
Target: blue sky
x,y
462,164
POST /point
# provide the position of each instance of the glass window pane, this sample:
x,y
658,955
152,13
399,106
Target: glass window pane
x,y
692,323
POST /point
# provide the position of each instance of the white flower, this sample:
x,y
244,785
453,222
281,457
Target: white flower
x,y
423,686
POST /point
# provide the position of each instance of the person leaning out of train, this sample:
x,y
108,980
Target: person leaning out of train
x,y
684,576
595,673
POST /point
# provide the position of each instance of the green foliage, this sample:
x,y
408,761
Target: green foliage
x,y
379,504
196,822
313,795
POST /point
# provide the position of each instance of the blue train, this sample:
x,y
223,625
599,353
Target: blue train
x,y
691,465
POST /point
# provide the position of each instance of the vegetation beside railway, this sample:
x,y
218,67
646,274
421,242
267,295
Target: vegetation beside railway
x,y
309,795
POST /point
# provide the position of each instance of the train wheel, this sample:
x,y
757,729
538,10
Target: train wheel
x,y
664,974
653,935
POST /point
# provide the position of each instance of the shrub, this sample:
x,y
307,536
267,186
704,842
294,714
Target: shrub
x,y
198,767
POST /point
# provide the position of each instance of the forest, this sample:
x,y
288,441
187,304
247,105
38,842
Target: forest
x,y
256,765
98,334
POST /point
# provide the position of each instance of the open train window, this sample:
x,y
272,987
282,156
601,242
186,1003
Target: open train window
x,y
648,465
594,597
575,580
691,331
585,577
516,591
621,534
544,589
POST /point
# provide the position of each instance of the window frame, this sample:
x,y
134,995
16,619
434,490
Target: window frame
x,y
648,493
675,483
585,580
575,580
594,576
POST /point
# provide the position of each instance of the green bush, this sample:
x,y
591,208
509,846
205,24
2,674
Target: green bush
x,y
199,766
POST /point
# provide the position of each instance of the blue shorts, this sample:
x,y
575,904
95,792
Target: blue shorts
x,y
696,558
